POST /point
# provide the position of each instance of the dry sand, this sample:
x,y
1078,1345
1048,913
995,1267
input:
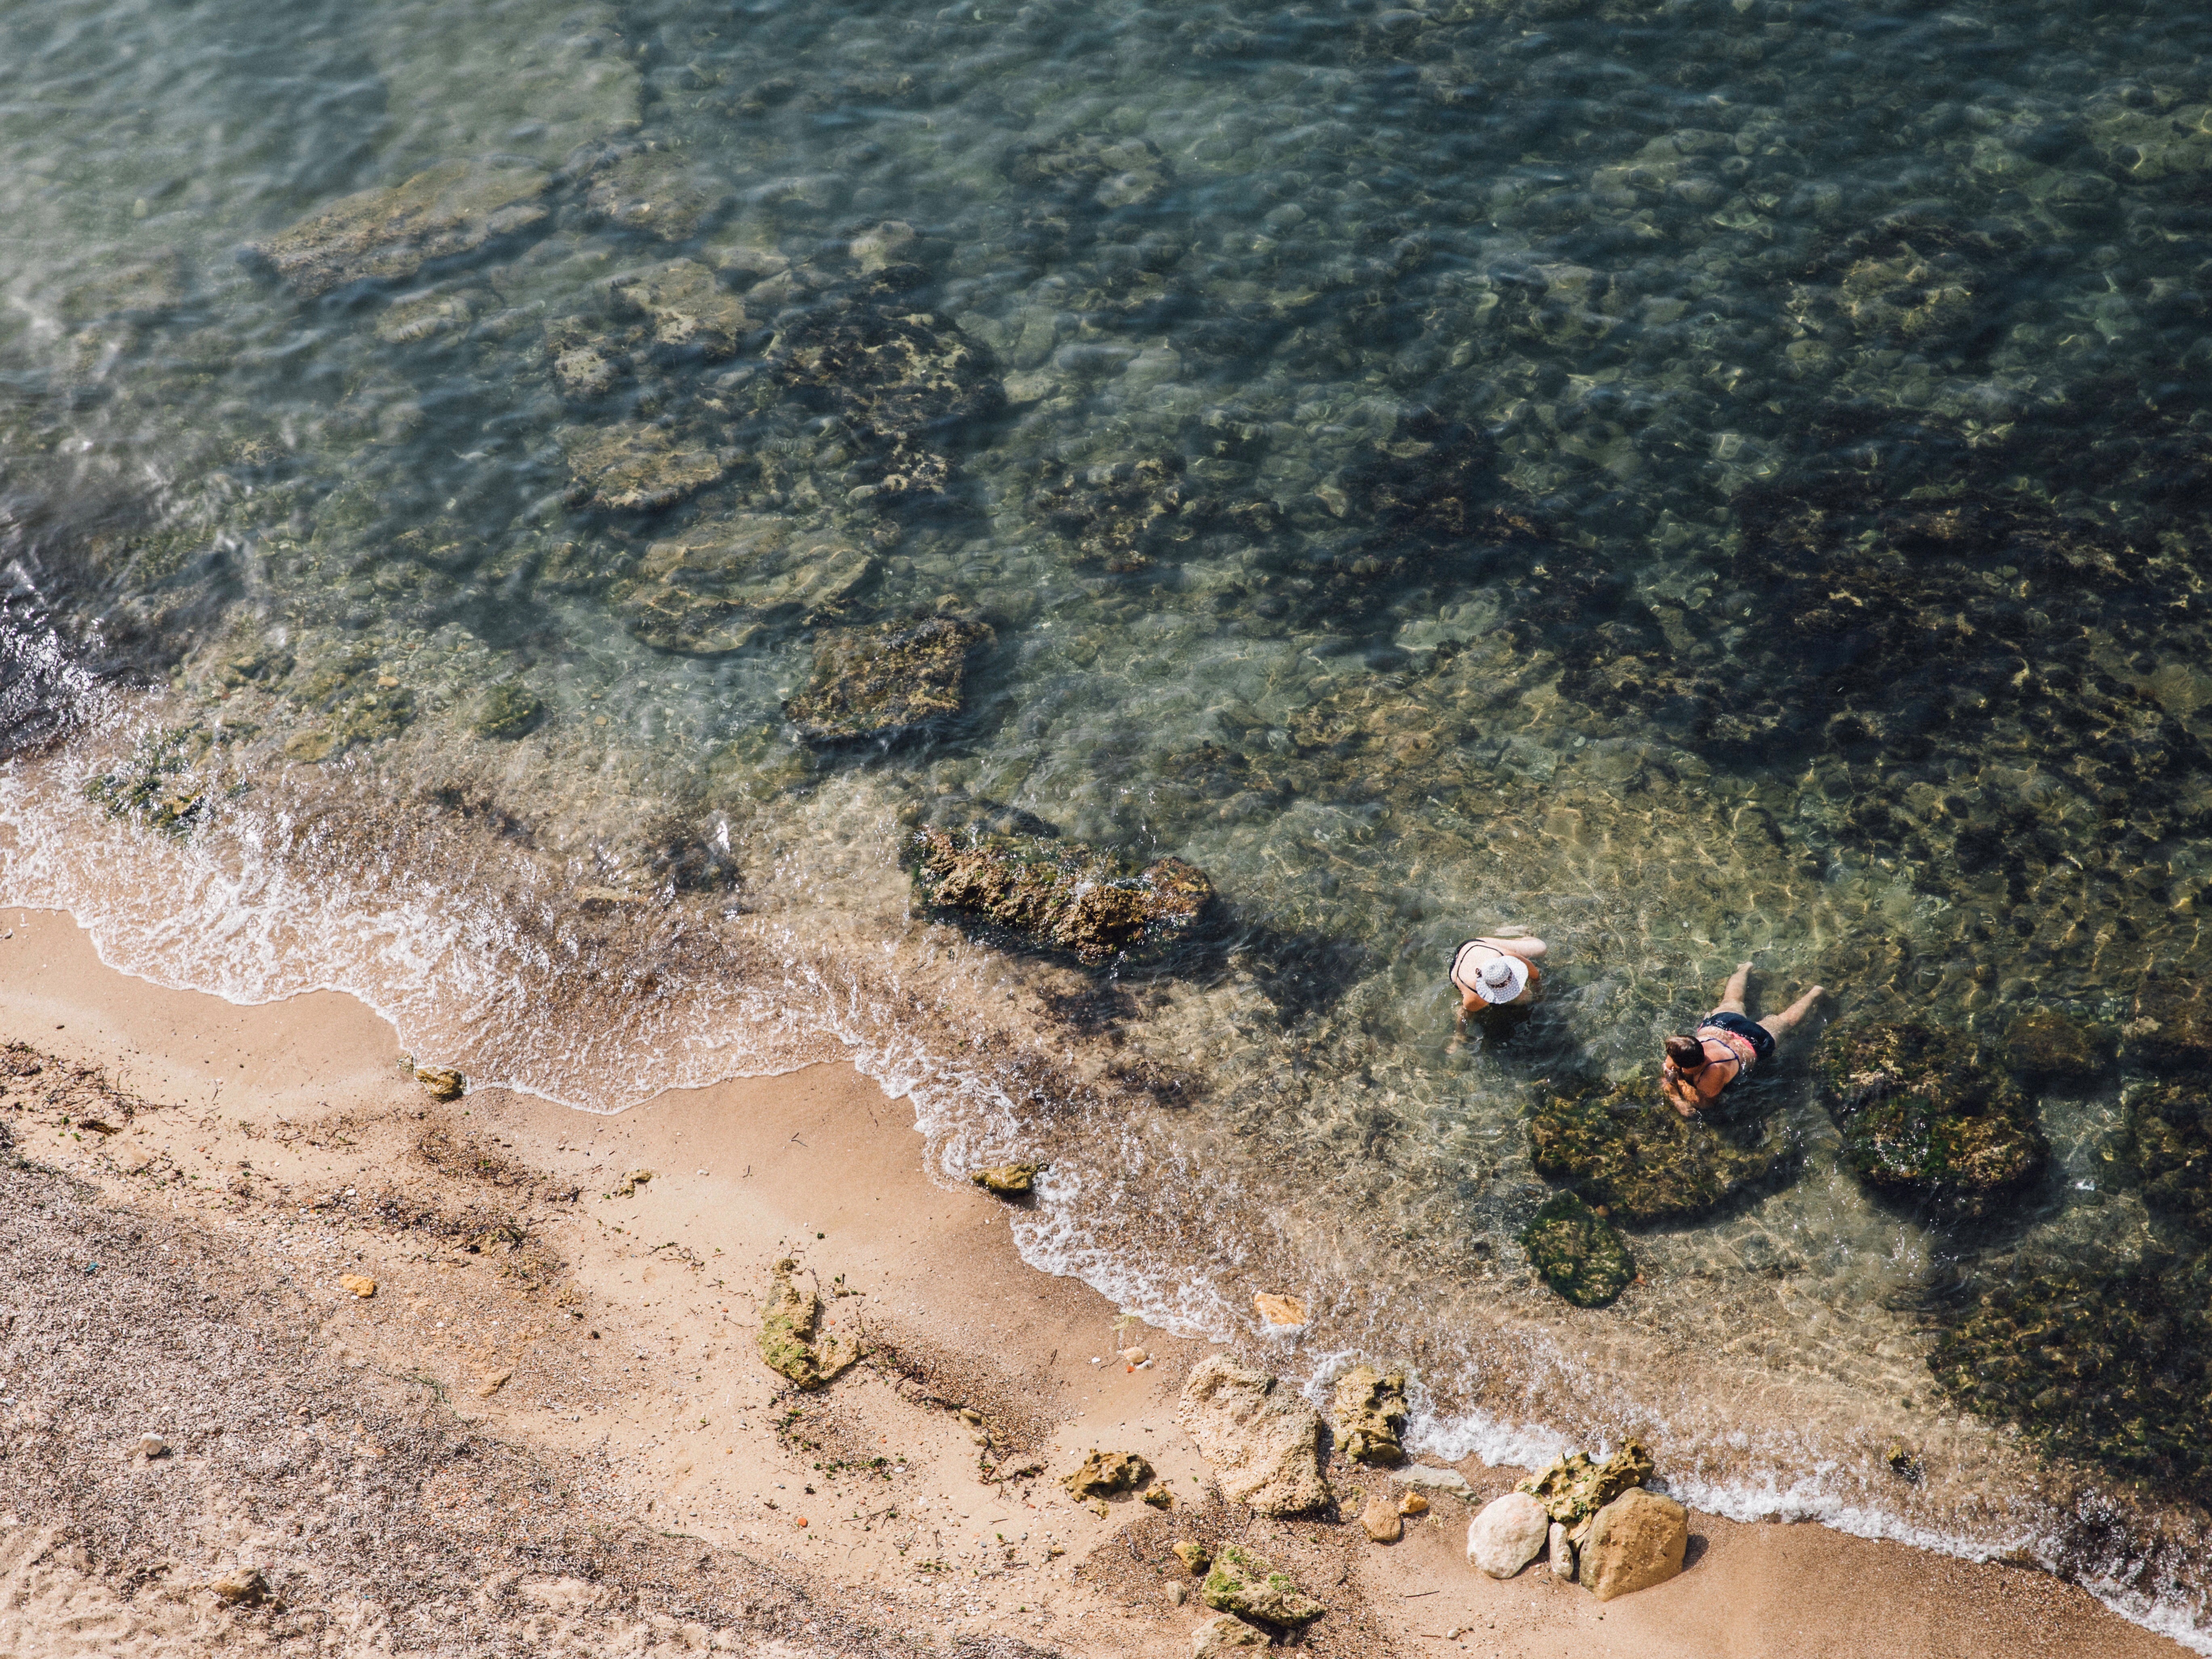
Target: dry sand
x,y
549,1429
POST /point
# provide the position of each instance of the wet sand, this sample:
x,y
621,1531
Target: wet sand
x,y
634,1474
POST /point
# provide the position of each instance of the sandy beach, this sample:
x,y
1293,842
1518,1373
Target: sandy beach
x,y
548,1427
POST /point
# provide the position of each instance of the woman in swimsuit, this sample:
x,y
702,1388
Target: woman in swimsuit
x,y
1494,973
1727,1044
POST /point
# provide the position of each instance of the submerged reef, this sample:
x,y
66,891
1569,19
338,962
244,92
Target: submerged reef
x,y
1577,1252
714,587
886,680
1061,894
1924,1115
2169,1142
2112,1367
2051,1049
1623,1147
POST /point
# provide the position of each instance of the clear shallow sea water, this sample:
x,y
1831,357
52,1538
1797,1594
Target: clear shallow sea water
x,y
1690,481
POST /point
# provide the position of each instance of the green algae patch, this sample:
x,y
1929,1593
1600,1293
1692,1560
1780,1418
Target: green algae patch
x,y
1061,894
1924,1115
1370,1415
885,681
1577,1486
2050,1049
1624,1147
2111,1368
2170,1144
787,1340
1243,1583
1577,1252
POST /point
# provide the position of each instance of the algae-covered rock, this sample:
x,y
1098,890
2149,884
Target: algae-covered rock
x,y
1224,1634
1243,1583
1577,1486
2050,1049
1007,1180
629,467
441,1081
879,682
1370,1414
1577,1252
786,1333
1925,1115
2110,1367
1121,514
688,311
1109,171
2171,1030
1102,1475
2170,1141
387,235
1192,1554
1061,894
715,587
1627,1148
508,710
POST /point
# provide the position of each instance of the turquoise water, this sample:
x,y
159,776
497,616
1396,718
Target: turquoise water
x,y
1694,481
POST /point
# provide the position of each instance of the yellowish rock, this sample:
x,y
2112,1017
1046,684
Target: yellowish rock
x,y
1412,1503
1638,1540
490,1383
243,1587
360,1284
1381,1521
1279,1309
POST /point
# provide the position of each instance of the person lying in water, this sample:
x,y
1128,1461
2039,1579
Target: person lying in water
x,y
1494,973
1726,1047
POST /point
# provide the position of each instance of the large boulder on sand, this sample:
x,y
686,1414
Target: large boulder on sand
x,y
1508,1535
1638,1540
1263,1439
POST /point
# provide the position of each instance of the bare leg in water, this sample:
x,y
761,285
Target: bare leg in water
x,y
1778,1026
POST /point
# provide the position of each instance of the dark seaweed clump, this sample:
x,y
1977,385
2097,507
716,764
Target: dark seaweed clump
x,y
1061,894
1624,1147
2115,1368
1925,1117
1577,1252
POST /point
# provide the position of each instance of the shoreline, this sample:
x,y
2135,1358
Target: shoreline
x,y
592,1321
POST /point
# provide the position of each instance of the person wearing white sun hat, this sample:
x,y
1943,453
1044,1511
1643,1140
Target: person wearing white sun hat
x,y
1495,973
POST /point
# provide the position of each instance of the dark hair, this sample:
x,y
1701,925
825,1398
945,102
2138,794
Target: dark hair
x,y
1687,1053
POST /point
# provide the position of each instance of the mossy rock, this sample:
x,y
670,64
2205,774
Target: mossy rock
x,y
1577,1252
1243,1583
1578,1486
787,1338
2050,1049
1627,1148
1925,1115
1007,1180
2111,1368
2170,1139
884,681
1061,894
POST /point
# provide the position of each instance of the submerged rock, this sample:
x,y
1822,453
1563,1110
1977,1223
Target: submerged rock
x,y
1638,1540
1102,1474
508,710
1243,1583
2170,1141
882,681
656,192
1577,1252
2054,1050
786,1333
1007,1180
1061,894
688,311
420,317
1370,1414
2110,1367
1263,1439
2171,1030
1507,1535
1628,1149
1577,1486
387,235
628,467
1123,513
715,586
1924,1115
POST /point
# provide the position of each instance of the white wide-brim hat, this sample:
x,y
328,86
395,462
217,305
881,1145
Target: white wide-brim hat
x,y
1501,979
